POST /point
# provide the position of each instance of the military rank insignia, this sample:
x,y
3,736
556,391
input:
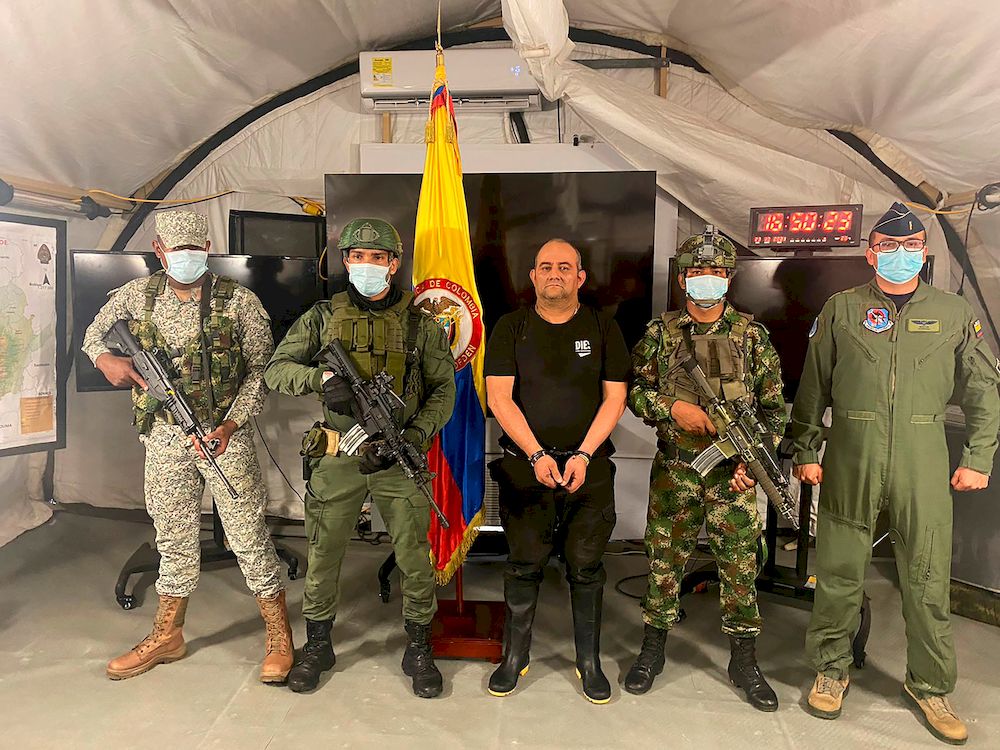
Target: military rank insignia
x,y
978,328
877,319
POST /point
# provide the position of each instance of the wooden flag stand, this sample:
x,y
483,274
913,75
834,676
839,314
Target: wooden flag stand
x,y
468,629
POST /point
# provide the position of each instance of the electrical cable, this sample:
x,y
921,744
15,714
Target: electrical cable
x,y
163,201
967,259
280,470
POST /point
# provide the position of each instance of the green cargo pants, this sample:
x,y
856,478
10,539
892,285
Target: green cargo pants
x,y
334,496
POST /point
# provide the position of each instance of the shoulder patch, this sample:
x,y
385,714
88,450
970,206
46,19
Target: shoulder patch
x,y
814,327
977,328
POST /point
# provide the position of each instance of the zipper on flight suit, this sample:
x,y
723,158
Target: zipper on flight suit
x,y
892,398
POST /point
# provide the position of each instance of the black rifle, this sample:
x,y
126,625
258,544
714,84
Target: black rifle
x,y
374,405
741,435
155,369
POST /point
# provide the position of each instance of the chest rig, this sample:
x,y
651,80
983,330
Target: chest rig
x,y
376,342
210,367
721,356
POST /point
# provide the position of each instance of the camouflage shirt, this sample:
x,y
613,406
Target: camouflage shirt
x,y
763,372
177,321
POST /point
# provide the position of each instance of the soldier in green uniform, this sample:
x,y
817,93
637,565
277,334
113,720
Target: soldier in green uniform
x,y
218,337
887,357
738,358
381,330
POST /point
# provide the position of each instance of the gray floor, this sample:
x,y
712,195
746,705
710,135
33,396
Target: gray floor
x,y
59,624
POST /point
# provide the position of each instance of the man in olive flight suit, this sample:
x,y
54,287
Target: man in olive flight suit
x,y
887,357
737,357
382,331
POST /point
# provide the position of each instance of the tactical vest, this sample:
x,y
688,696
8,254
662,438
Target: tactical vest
x,y
721,357
377,342
225,360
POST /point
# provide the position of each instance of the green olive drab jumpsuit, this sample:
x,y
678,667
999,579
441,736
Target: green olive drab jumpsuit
x,y
888,376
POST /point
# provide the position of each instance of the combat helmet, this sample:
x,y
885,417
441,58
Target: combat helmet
x,y
710,249
371,234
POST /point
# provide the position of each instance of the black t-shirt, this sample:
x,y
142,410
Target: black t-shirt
x,y
900,299
558,370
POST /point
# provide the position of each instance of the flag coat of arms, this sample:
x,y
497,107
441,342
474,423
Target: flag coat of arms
x,y
445,288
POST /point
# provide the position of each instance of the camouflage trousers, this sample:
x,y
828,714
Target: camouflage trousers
x,y
680,501
175,480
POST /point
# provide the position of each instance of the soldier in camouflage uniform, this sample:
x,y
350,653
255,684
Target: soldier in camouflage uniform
x,y
739,360
221,372
381,330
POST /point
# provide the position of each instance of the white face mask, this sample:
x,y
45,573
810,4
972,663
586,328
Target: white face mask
x,y
368,278
706,291
186,266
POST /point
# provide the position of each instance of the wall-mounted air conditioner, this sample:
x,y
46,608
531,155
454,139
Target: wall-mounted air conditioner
x,y
484,80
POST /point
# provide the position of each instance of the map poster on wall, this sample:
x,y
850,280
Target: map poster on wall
x,y
32,331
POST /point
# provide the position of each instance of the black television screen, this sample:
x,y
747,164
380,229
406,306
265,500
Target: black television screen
x,y
284,235
287,287
608,216
786,295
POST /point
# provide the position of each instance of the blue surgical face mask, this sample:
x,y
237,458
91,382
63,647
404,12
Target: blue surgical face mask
x,y
706,291
186,266
368,278
899,266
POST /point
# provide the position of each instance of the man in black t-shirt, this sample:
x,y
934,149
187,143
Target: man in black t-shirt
x,y
556,382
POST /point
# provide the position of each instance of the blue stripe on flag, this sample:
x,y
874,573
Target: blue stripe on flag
x,y
462,441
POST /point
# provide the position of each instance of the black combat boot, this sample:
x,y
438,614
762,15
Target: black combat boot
x,y
745,674
520,597
317,657
586,601
418,661
649,663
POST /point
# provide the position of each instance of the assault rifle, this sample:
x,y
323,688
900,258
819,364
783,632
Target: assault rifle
x,y
741,435
374,405
155,369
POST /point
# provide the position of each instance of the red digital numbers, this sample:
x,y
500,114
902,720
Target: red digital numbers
x,y
773,222
803,222
838,221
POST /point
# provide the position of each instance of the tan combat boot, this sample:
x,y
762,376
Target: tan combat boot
x,y
165,644
827,696
940,718
278,651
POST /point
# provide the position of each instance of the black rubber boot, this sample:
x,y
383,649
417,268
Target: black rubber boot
x,y
418,662
520,597
745,674
317,656
586,601
649,662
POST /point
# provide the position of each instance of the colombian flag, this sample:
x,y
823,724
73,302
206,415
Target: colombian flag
x,y
445,288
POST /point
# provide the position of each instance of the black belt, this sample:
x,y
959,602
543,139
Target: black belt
x,y
672,453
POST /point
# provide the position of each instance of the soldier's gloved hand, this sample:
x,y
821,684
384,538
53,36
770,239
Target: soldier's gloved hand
x,y
691,418
372,461
415,438
337,394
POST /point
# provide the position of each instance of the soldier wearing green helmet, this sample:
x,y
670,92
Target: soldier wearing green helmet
x,y
382,330
740,362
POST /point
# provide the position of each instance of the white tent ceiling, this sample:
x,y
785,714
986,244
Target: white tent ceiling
x,y
109,94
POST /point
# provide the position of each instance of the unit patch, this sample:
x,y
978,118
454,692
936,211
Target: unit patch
x,y
921,325
978,328
815,327
877,319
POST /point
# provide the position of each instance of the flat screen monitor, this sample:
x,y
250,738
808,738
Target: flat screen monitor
x,y
287,287
608,216
283,235
786,295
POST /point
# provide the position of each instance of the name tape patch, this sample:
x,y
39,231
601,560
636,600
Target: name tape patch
x,y
921,325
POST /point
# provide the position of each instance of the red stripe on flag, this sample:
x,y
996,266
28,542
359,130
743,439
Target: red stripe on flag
x,y
449,498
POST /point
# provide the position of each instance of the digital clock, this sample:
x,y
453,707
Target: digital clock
x,y
803,227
